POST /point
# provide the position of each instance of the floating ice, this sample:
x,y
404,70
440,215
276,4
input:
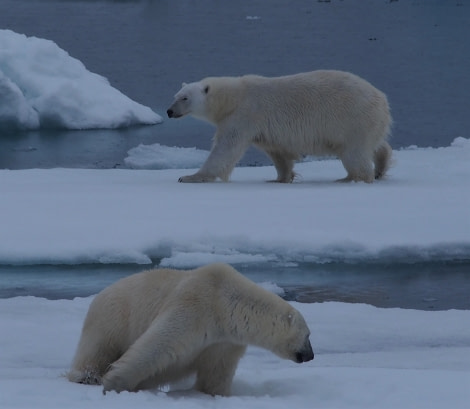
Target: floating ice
x,y
41,85
164,157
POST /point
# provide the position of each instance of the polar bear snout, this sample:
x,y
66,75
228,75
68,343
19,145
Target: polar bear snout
x,y
179,108
305,354
171,113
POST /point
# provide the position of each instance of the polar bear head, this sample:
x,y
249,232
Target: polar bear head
x,y
292,340
212,99
189,100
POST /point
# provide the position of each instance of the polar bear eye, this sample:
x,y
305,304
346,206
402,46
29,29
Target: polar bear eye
x,y
184,98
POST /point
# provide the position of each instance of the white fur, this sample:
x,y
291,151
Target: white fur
x,y
159,326
315,113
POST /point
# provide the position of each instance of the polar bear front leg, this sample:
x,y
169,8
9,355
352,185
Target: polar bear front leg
x,y
216,368
156,352
227,150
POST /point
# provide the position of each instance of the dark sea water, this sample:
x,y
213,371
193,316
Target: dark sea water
x,y
417,52
424,285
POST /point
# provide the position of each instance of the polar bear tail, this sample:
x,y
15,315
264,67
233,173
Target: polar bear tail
x,y
382,159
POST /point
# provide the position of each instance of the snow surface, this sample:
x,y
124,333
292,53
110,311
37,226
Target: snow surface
x,y
365,357
41,85
420,212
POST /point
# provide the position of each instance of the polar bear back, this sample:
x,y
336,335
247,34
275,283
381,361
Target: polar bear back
x,y
118,303
283,111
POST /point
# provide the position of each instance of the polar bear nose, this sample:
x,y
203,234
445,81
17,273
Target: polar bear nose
x,y
170,113
305,355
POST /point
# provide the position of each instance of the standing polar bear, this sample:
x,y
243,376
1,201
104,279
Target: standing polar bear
x,y
322,112
159,326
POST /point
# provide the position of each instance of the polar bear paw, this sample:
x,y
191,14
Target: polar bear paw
x,y
196,178
113,381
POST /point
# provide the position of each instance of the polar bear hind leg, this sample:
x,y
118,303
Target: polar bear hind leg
x,y
284,165
91,361
382,158
358,164
216,367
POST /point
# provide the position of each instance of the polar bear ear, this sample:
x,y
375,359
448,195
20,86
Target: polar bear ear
x,y
206,89
290,318
183,84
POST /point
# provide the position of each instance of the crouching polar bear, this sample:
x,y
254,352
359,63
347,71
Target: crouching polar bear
x,y
322,112
159,326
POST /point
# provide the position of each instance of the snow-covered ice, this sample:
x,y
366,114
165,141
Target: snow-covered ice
x,y
365,357
421,211
41,85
